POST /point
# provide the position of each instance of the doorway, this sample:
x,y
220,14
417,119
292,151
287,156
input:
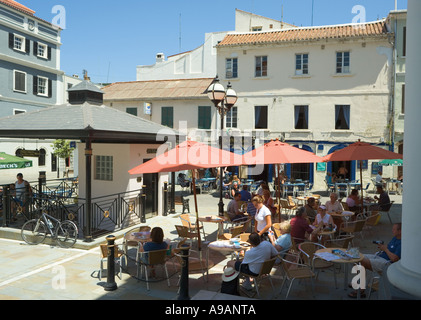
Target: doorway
x,y
150,180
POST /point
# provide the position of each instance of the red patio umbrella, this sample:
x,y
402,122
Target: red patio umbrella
x,y
190,155
277,152
360,151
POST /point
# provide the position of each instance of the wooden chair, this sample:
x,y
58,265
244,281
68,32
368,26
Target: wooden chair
x,y
118,257
287,207
265,271
234,232
151,259
276,227
372,220
353,227
185,233
307,250
345,206
185,221
294,270
342,241
387,210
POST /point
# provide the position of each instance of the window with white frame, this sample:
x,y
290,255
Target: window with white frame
x,y
343,61
42,50
19,81
231,118
301,64
19,43
342,117
43,86
104,168
301,117
261,69
231,68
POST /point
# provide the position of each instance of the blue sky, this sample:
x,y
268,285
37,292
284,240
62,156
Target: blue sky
x,y
110,38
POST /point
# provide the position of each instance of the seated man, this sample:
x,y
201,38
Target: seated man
x,y
245,194
388,254
254,258
233,209
383,202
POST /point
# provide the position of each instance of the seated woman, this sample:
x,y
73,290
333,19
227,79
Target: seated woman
x,y
283,243
311,209
353,201
333,205
157,243
235,185
322,221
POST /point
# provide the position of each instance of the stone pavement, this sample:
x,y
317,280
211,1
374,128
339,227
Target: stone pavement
x,y
49,272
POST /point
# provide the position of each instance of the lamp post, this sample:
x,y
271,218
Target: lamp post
x,y
223,101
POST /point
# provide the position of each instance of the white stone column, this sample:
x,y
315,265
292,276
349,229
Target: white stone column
x,y
406,273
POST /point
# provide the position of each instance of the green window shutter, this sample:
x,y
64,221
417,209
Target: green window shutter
x,y
167,116
205,118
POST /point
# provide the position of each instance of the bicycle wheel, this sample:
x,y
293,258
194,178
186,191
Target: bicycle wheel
x,y
34,232
67,234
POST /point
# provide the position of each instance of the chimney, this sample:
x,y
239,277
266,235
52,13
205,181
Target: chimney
x,y
85,75
160,57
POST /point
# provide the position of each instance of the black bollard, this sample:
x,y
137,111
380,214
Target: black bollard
x,y
184,280
143,204
111,285
165,213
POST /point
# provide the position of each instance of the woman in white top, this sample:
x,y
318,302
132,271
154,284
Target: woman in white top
x,y
323,219
263,216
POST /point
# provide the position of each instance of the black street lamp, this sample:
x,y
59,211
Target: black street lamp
x,y
223,101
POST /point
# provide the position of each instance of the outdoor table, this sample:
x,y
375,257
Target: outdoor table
x,y
215,219
134,237
346,262
225,247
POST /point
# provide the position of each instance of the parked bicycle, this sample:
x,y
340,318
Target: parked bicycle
x,y
35,231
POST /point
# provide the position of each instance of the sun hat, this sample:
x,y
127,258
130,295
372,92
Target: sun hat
x,y
229,274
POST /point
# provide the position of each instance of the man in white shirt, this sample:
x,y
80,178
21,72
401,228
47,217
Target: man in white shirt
x,y
379,179
254,258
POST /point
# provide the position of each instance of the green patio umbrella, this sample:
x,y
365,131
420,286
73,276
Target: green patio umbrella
x,y
391,162
8,161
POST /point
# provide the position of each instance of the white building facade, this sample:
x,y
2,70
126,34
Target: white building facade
x,y
318,88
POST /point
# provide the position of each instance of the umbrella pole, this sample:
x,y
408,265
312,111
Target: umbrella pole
x,y
361,182
278,193
199,245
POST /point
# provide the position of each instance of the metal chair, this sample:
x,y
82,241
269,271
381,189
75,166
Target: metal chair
x,y
265,271
185,221
294,270
151,259
118,257
308,250
387,210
